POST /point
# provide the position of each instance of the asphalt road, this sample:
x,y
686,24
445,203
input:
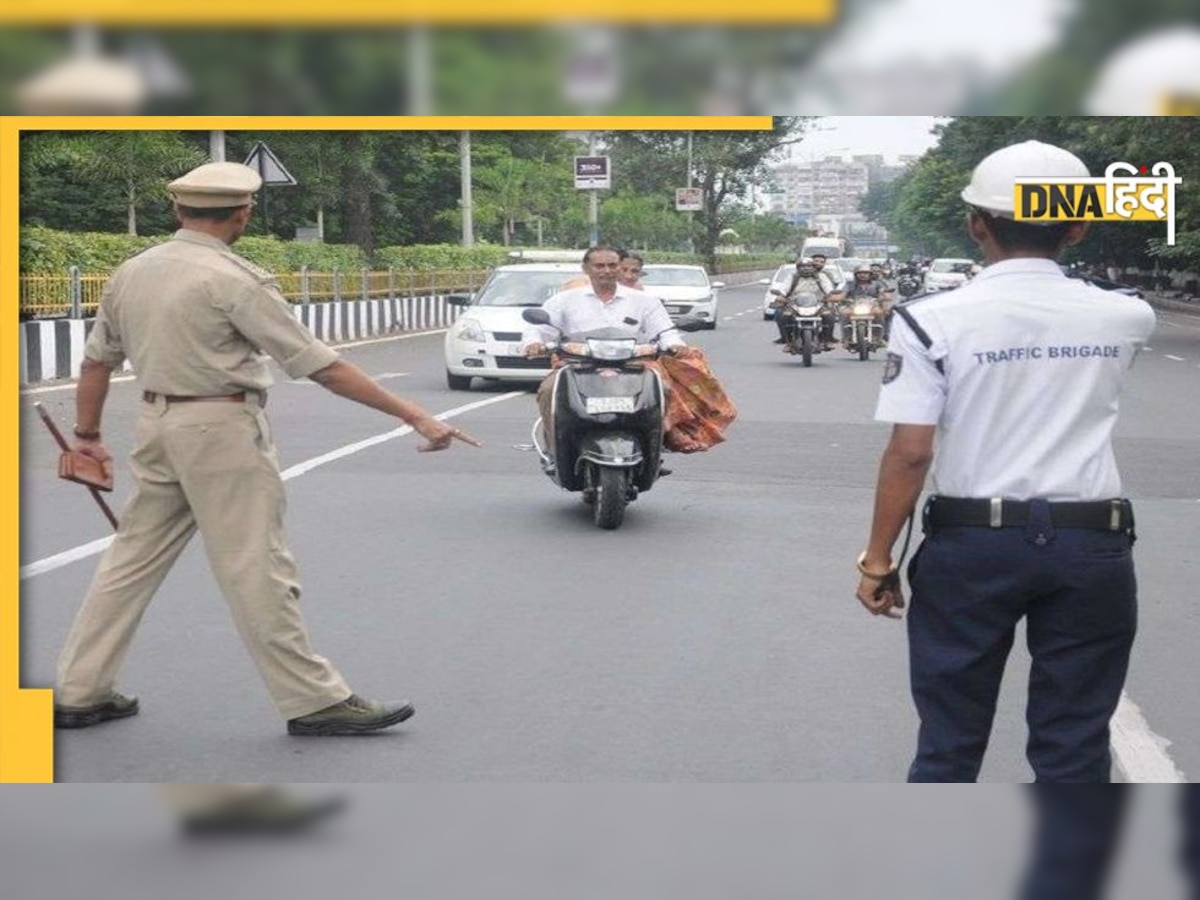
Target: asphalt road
x,y
713,638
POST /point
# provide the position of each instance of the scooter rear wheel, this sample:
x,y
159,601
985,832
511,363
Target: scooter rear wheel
x,y
612,493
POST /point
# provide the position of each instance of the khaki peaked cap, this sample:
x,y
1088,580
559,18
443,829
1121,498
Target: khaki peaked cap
x,y
216,184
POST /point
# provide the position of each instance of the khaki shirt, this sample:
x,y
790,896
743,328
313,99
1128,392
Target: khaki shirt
x,y
195,319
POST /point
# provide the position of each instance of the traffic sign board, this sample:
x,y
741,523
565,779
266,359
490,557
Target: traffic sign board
x,y
592,173
268,165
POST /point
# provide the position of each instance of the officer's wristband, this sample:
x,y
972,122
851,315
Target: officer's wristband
x,y
86,435
862,569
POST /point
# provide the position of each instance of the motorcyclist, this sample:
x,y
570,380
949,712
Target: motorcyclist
x,y
887,294
865,287
807,280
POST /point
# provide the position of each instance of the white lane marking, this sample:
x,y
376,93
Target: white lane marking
x,y
1176,358
308,465
70,386
1141,754
58,560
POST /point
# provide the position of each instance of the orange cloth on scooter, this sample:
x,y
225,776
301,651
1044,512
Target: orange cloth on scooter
x,y
698,409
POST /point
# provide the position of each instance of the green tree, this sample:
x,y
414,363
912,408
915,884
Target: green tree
x,y
725,164
139,162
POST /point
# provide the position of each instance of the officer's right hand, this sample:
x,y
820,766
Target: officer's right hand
x,y
881,597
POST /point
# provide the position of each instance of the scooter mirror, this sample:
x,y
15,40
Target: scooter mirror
x,y
536,316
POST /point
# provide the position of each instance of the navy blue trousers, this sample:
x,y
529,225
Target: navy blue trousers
x,y
1076,590
1076,836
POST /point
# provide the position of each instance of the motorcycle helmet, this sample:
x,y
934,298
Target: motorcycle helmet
x,y
993,181
805,266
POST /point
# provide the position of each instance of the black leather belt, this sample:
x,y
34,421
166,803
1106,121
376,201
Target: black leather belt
x,y
152,397
1097,515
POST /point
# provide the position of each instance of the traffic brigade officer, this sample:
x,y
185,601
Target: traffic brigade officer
x,y
195,320
1018,374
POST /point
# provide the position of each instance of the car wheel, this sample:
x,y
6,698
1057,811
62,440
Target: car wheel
x,y
711,326
458,382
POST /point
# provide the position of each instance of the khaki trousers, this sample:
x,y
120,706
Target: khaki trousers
x,y
212,467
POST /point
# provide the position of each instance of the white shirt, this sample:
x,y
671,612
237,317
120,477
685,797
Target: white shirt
x,y
579,309
1033,365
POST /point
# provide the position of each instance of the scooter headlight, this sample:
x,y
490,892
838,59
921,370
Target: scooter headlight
x,y
621,348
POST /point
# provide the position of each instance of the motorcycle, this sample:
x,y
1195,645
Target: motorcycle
x,y
607,420
804,315
908,285
862,329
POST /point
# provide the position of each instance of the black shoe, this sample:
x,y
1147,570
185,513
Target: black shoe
x,y
663,471
269,812
780,341
114,706
354,715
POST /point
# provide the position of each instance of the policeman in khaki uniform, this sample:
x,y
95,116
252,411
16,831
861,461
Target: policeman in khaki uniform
x,y
195,320
1018,373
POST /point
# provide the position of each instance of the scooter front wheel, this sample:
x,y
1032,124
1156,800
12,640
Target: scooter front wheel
x,y
612,493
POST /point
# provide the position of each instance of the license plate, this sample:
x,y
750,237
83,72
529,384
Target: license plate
x,y
674,309
609,405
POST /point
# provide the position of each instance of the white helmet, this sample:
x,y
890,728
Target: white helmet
x,y
1142,74
993,181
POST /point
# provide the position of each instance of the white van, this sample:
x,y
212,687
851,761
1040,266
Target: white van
x,y
831,248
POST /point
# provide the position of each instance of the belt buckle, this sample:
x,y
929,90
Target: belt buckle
x,y
996,512
1114,519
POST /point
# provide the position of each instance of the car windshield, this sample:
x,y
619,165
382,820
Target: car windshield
x,y
522,288
784,275
949,265
674,277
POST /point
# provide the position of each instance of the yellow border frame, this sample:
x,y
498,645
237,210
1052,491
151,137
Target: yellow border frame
x,y
26,732
300,13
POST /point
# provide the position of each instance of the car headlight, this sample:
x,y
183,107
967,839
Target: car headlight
x,y
469,330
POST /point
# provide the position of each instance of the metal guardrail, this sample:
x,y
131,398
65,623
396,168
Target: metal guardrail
x,y
76,295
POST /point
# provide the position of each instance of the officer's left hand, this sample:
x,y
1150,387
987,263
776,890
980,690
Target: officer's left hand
x,y
440,435
881,598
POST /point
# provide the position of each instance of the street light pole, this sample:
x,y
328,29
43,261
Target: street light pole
x,y
691,214
593,201
468,216
216,146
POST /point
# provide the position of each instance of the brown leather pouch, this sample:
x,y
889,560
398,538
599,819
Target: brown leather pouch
x,y
85,470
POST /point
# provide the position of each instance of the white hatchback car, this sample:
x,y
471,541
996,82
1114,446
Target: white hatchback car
x,y
684,291
485,340
944,274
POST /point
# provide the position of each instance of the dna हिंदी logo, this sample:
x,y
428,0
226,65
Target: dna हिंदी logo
x,y
1125,193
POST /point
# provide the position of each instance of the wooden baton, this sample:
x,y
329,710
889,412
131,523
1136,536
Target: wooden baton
x,y
104,507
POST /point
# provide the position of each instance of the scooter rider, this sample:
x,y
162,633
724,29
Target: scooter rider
x,y
603,303
806,280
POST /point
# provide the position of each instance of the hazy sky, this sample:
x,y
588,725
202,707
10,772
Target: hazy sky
x,y
844,135
994,35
